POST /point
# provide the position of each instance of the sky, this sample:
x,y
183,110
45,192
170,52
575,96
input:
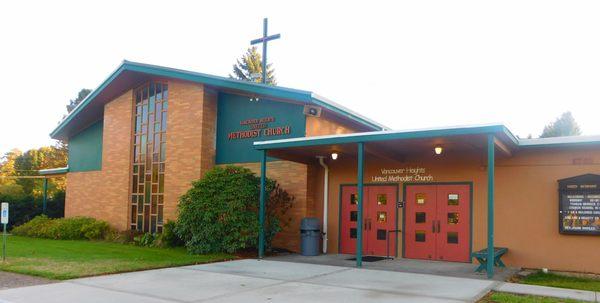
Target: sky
x,y
405,64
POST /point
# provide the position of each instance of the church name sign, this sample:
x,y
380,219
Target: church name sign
x,y
403,174
259,127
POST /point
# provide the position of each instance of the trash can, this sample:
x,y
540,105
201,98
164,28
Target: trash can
x,y
310,234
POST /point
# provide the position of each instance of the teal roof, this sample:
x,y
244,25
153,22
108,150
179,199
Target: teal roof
x,y
560,141
54,171
128,67
501,132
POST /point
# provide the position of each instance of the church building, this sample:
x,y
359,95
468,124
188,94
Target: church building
x,y
138,141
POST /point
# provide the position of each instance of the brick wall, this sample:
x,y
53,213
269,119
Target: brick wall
x,y
293,178
105,194
190,139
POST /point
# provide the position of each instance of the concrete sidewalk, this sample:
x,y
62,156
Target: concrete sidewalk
x,y
273,281
256,281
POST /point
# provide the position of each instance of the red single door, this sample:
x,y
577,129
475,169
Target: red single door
x,y
453,226
349,217
420,219
380,218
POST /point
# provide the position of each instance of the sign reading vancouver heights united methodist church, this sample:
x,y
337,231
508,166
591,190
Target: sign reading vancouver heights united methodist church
x,y
241,122
259,127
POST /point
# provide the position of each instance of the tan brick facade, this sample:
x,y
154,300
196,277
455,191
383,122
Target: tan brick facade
x,y
190,151
105,194
190,139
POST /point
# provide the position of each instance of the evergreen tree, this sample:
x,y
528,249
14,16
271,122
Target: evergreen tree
x,y
80,96
250,63
565,125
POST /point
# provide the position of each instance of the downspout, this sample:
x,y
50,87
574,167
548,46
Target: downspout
x,y
325,202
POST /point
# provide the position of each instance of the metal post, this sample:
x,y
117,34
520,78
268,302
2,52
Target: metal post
x,y
490,190
264,52
261,211
359,225
45,196
4,243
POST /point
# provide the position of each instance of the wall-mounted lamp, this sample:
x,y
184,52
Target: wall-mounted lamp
x,y
438,150
334,156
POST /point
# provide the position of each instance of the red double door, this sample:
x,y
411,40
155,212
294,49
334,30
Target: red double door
x,y
379,218
437,222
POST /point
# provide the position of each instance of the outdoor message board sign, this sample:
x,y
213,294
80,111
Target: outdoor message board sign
x,y
579,205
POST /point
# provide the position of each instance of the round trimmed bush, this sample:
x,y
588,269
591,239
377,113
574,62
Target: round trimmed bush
x,y
220,212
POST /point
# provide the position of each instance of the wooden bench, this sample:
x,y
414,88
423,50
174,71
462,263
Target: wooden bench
x,y
482,256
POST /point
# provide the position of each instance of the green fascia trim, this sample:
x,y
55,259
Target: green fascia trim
x,y
86,101
256,88
54,171
385,135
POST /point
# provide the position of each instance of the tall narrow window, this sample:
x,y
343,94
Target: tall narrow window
x,y
148,171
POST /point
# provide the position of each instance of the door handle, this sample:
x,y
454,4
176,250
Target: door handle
x,y
438,226
433,227
365,224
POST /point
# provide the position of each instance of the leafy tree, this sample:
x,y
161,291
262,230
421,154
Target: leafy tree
x,y
565,125
251,63
17,163
80,96
220,212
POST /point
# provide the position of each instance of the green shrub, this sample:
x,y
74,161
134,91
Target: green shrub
x,y
76,228
169,237
96,230
36,227
220,212
145,239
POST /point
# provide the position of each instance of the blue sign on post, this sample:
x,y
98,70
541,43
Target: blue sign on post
x,y
4,221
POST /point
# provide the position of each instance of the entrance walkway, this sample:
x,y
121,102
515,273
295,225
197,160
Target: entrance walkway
x,y
449,269
257,281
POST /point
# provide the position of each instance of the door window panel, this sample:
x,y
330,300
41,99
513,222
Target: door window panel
x,y
353,216
353,199
452,218
420,198
381,234
452,237
381,216
420,217
381,199
420,236
452,199
352,233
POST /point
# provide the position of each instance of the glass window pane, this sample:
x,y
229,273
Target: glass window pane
x,y
452,237
452,199
420,236
420,217
381,234
381,199
160,214
353,199
452,218
148,149
353,233
353,216
381,216
420,198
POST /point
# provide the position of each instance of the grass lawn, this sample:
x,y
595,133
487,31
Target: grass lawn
x,y
65,259
501,297
562,281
